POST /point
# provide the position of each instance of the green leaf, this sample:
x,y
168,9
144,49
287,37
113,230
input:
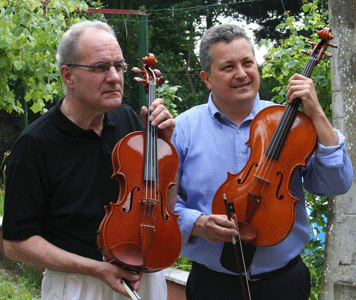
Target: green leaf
x,y
37,107
41,72
323,82
18,65
3,44
17,31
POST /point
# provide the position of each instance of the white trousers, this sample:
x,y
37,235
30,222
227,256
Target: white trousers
x,y
58,285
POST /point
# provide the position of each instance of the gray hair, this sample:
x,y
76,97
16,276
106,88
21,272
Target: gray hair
x,y
67,51
224,32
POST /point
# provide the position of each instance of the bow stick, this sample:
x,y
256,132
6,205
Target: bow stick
x,y
230,210
128,287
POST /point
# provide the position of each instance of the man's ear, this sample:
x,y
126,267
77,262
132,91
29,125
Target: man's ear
x,y
206,78
67,76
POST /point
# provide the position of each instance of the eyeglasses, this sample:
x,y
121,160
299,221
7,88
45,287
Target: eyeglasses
x,y
103,67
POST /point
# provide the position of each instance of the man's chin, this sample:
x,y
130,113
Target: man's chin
x,y
112,102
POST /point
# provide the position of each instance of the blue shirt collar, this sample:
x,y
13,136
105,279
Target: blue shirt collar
x,y
219,117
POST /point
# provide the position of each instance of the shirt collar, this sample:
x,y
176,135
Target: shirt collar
x,y
67,125
219,117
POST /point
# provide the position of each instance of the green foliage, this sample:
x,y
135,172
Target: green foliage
x,y
183,263
29,35
19,281
313,257
2,196
286,58
313,253
2,182
169,97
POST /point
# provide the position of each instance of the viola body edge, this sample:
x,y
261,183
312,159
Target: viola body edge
x,y
261,190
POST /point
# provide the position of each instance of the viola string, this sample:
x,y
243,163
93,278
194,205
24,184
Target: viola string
x,y
155,153
146,178
154,168
148,165
281,132
287,118
156,191
152,156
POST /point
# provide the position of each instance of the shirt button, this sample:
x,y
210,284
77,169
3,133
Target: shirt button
x,y
240,155
253,266
238,131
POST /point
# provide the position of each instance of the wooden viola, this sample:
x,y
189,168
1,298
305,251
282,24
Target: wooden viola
x,y
139,232
281,140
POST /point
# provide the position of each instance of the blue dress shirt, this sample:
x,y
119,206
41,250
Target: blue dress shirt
x,y
209,145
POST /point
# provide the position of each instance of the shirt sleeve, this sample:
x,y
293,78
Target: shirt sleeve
x,y
329,171
24,193
187,216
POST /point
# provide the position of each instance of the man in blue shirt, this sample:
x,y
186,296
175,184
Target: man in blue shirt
x,y
210,140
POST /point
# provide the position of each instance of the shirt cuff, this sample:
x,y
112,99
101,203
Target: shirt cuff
x,y
187,222
331,156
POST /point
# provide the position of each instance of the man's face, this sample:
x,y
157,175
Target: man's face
x,y
234,76
97,92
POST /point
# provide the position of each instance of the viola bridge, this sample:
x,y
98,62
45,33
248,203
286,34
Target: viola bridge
x,y
262,179
152,202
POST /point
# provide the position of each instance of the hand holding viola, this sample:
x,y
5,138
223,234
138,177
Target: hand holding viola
x,y
160,117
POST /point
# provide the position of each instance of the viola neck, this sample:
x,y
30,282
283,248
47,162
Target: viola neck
x,y
312,62
151,160
276,144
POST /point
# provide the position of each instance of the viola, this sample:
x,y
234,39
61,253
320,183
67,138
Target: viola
x,y
281,140
139,232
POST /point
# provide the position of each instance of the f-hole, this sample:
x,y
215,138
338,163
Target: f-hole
x,y
249,171
131,201
280,197
163,214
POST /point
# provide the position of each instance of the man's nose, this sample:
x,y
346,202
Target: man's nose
x,y
113,75
240,72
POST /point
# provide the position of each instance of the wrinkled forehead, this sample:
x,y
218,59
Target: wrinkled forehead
x,y
238,48
96,43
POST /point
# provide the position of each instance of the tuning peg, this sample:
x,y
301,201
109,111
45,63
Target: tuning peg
x,y
311,43
332,45
138,79
136,70
161,80
306,52
157,72
328,54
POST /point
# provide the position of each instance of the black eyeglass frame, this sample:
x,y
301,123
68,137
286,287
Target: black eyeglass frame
x,y
123,66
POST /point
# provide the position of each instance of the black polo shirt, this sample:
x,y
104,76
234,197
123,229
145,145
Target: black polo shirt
x,y
59,180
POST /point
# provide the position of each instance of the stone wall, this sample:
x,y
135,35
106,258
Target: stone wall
x,y
339,276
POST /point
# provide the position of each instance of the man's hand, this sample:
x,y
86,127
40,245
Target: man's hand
x,y
160,117
302,87
215,228
38,251
112,275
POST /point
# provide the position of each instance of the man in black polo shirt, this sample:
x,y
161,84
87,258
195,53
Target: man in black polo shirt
x,y
59,173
